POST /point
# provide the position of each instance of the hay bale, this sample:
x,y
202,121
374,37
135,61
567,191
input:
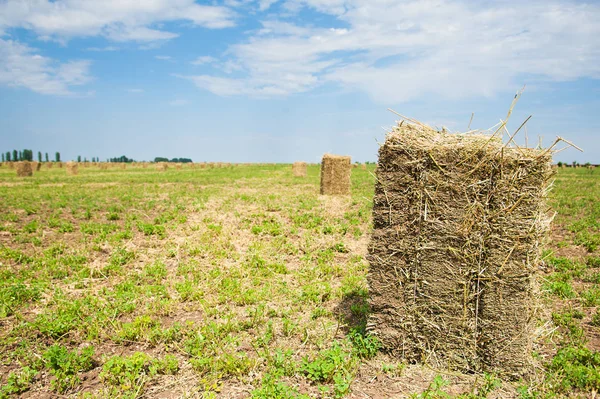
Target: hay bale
x,y
24,169
178,166
11,165
49,165
162,166
299,169
458,226
335,174
363,166
60,164
72,168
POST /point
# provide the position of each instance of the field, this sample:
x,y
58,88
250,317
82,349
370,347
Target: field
x,y
241,282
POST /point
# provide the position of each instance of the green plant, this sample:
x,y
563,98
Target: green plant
x,y
18,382
434,390
576,368
65,366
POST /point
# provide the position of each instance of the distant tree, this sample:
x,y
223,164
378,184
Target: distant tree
x,y
15,155
7,156
20,156
161,159
28,155
78,158
85,160
57,156
2,157
47,157
559,164
122,159
39,156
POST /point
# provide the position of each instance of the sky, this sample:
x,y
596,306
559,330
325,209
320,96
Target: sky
x,y
287,80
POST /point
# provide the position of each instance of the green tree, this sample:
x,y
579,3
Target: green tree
x,y
78,158
27,155
39,156
47,158
20,155
57,156
15,155
7,156
2,157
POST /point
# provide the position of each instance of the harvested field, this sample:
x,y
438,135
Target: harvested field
x,y
244,282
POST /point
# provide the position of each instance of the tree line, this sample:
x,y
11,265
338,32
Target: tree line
x,y
27,155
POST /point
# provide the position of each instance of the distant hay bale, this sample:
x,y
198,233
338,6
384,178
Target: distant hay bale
x,y
36,166
178,166
299,169
145,165
363,166
162,166
123,165
60,164
335,174
24,169
49,165
459,221
103,166
11,165
72,168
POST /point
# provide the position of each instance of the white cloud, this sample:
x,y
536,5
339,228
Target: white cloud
x,y
205,59
264,5
118,20
163,57
21,66
399,50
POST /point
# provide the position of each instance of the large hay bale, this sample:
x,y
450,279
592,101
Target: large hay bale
x,y
72,169
24,169
299,169
335,174
458,225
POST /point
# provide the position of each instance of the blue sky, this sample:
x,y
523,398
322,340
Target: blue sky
x,y
285,80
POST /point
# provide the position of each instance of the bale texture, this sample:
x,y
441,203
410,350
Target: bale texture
x,y
458,224
299,169
24,169
162,166
335,174
72,169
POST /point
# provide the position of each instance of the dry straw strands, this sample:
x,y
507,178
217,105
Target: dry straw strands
x,y
459,220
335,174
24,169
299,169
72,168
